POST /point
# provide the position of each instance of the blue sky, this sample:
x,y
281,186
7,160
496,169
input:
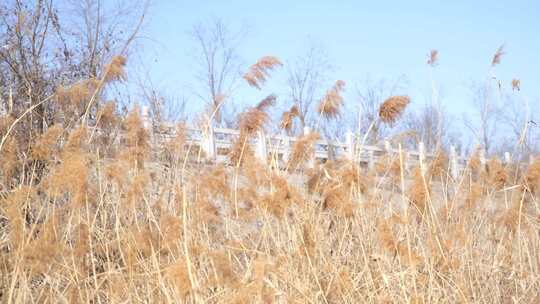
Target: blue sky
x,y
375,39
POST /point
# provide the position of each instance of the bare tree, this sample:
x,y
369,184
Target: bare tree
x,y
46,44
218,63
520,121
306,77
370,96
430,124
487,115
163,108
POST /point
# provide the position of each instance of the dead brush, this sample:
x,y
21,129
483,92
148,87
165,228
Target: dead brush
x,y
337,197
397,248
46,146
281,196
149,224
73,99
9,152
137,140
474,196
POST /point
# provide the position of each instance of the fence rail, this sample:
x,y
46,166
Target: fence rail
x,y
213,140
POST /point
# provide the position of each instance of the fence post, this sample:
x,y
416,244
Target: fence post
x,y
208,143
371,161
349,142
482,156
311,161
454,170
406,162
286,149
145,116
507,158
422,156
387,146
262,149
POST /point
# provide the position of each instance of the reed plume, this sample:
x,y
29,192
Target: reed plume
x,y
532,176
498,56
258,73
392,108
287,118
47,144
433,58
330,105
516,84
114,70
302,150
250,122
74,99
419,191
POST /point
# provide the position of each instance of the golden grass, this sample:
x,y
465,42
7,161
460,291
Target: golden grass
x,y
148,223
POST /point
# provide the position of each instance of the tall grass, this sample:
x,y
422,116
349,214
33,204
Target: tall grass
x,y
110,215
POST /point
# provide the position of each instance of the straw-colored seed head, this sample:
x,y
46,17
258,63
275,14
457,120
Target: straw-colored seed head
x,y
516,84
258,73
114,70
433,58
287,118
498,56
392,108
330,104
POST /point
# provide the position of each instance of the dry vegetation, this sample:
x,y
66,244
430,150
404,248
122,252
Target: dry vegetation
x,y
111,216
96,207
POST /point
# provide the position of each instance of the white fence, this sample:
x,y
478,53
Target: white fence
x,y
215,141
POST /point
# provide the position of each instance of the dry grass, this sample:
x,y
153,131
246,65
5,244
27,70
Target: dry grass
x,y
113,218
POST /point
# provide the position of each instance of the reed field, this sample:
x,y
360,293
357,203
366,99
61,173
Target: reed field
x,y
95,211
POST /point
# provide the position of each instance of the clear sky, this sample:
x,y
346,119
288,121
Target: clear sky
x,y
375,39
